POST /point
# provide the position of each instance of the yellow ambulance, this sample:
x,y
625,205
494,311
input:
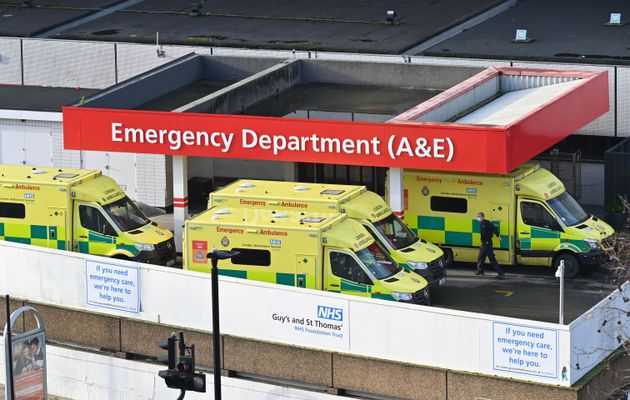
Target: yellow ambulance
x,y
78,210
356,202
539,221
301,249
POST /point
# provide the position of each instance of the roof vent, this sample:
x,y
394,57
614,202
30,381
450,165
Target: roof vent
x,y
38,171
246,185
223,212
66,175
312,220
280,215
301,188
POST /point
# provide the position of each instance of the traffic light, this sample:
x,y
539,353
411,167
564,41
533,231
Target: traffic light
x,y
181,369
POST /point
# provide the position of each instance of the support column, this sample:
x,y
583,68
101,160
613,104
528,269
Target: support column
x,y
395,190
180,197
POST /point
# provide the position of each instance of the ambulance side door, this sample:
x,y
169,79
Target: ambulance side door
x,y
92,233
56,233
538,233
345,275
500,217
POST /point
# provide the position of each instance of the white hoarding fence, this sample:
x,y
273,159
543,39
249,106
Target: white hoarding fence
x,y
442,338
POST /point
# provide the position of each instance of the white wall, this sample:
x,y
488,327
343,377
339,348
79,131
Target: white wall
x,y
419,335
74,374
594,335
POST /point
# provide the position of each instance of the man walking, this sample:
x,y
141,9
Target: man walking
x,y
487,230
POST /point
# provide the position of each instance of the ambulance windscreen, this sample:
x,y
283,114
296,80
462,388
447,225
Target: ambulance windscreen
x,y
126,214
397,234
332,192
378,261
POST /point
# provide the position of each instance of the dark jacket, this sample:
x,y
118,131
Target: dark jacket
x,y
487,229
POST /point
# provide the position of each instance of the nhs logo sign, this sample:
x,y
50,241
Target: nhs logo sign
x,y
335,314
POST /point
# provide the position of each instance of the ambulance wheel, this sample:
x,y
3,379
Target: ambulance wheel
x,y
121,257
448,257
571,265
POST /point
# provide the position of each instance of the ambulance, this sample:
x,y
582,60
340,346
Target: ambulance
x,y
78,210
539,221
302,249
359,204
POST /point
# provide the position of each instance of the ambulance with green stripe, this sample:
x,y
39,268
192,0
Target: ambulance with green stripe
x,y
78,210
359,204
539,221
302,249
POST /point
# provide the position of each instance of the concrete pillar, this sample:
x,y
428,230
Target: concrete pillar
x,y
290,171
396,198
180,197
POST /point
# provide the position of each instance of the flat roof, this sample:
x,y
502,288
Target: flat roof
x,y
563,31
40,98
352,26
184,95
336,101
17,20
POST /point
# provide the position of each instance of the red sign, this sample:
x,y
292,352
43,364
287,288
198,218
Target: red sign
x,y
200,251
402,142
421,146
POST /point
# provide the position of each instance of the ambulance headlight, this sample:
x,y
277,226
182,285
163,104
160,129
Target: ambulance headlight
x,y
594,244
418,265
144,246
402,296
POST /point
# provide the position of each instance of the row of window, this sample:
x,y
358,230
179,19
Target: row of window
x,y
343,265
533,214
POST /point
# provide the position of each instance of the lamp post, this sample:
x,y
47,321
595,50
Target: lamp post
x,y
560,275
215,256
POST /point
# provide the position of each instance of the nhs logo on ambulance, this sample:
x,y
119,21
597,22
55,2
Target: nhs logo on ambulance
x,y
275,242
335,314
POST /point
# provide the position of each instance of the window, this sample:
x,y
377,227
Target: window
x,y
94,220
449,204
395,232
126,214
535,214
345,266
261,258
12,210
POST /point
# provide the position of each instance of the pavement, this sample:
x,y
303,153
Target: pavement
x,y
528,292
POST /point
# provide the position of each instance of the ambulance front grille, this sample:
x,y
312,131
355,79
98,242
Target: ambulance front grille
x,y
437,266
166,249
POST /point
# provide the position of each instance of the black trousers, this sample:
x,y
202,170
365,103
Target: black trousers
x,y
486,251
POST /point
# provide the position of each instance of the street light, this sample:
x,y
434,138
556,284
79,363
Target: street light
x,y
215,256
560,275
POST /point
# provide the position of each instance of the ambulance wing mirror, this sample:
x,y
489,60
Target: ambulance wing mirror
x,y
556,226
